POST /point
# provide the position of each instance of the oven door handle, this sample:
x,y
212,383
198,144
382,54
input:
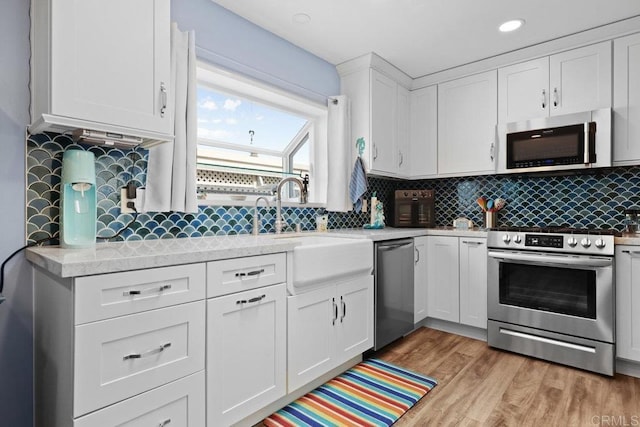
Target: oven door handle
x,y
551,259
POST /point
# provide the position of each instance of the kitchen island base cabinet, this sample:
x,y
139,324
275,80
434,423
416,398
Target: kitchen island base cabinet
x,y
246,353
327,327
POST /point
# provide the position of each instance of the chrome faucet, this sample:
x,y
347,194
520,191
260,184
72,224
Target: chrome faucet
x,y
256,215
302,183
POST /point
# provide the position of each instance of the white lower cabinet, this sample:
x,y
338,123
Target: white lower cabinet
x,y
420,279
327,327
457,280
180,403
246,353
627,302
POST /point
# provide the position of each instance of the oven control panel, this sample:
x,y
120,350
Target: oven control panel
x,y
543,241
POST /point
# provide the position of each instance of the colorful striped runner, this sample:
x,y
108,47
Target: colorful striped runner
x,y
372,393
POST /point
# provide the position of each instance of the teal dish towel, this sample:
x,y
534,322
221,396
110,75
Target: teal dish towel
x,y
358,184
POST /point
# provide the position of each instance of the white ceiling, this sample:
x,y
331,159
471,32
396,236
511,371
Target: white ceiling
x,y
425,36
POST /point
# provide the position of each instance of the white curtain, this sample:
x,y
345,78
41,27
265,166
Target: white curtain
x,y
171,170
339,154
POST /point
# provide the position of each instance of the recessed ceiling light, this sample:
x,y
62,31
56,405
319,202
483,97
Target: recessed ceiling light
x,y
512,25
301,18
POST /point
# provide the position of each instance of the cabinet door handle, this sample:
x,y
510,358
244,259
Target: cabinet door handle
x,y
163,97
165,422
417,255
335,311
544,99
401,158
146,291
556,97
375,151
491,150
344,309
251,273
251,300
147,353
632,253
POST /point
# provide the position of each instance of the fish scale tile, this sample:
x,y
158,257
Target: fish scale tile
x,y
590,201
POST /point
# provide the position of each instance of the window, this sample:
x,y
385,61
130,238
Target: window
x,y
250,136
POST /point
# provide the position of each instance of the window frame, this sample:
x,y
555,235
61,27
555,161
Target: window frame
x,y
314,132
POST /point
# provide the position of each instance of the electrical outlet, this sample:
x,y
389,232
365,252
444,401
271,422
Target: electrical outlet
x,y
124,200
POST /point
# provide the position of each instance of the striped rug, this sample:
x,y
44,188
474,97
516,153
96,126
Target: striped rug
x,y
372,393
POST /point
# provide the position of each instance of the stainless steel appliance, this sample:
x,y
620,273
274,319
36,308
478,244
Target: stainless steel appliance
x,y
551,295
393,290
572,141
413,208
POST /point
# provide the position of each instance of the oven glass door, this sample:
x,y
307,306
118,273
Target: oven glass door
x,y
404,214
552,289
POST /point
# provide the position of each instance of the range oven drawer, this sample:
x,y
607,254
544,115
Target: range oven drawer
x,y
581,353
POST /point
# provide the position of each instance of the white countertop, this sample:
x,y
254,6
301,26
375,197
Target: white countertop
x,y
135,255
628,239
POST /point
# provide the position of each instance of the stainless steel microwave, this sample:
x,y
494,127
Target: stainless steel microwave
x,y
573,141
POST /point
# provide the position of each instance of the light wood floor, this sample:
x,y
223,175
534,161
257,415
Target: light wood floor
x,y
483,386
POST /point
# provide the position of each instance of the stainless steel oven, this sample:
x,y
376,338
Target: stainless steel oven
x,y
551,295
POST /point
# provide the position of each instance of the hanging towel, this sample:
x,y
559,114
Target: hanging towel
x,y
338,154
171,168
358,184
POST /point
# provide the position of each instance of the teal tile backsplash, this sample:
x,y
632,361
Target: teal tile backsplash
x,y
594,200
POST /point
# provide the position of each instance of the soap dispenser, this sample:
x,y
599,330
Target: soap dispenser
x,y
78,210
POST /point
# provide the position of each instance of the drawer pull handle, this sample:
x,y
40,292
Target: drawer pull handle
x,y
165,422
251,300
251,273
469,242
146,291
147,353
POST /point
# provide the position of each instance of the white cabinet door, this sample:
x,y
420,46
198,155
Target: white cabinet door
x,y
355,318
443,278
626,100
627,302
402,131
580,79
523,91
424,132
246,353
473,282
420,278
467,117
103,73
311,335
383,124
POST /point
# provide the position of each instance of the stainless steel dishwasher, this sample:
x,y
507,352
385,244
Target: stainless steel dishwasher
x,y
393,290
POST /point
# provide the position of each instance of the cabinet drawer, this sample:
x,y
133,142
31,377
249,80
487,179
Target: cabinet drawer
x,y
180,403
241,274
117,294
119,358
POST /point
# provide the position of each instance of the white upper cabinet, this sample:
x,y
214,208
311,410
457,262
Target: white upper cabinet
x,y
102,65
384,109
467,118
380,113
424,132
569,82
626,100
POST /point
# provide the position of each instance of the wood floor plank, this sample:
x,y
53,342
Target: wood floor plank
x,y
482,386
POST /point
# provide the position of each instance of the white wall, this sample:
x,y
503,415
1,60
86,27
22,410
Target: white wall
x,y
16,332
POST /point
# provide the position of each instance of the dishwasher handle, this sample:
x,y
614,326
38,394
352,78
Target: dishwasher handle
x,y
392,246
